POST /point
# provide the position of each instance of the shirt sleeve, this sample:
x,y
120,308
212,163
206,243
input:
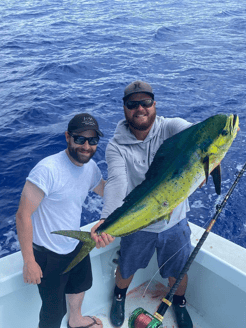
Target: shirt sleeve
x,y
116,186
177,125
42,177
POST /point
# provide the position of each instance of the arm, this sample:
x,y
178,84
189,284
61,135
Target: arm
x,y
30,199
114,192
116,186
100,188
104,239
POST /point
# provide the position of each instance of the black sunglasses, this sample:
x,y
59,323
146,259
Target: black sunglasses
x,y
80,140
146,103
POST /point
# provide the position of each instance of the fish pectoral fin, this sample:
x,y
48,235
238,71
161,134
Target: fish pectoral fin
x,y
216,174
206,167
165,217
85,238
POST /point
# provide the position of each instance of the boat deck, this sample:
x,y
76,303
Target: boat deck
x,y
150,303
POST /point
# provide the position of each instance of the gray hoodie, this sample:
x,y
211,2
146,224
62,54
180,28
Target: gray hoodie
x,y
128,160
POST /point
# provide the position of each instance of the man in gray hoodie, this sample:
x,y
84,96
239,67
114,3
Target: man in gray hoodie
x,y
129,155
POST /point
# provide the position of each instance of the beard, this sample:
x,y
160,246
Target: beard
x,y
133,122
79,155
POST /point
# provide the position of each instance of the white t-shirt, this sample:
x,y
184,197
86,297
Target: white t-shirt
x,y
66,187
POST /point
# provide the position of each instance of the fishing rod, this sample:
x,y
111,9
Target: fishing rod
x,y
141,318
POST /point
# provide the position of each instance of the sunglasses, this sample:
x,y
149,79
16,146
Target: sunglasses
x,y
146,103
80,140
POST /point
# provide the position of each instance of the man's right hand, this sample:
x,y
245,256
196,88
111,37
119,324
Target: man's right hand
x,y
102,240
32,273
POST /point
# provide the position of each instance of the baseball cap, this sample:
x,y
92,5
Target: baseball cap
x,y
83,122
138,87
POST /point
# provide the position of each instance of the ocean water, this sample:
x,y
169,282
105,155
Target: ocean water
x,y
59,58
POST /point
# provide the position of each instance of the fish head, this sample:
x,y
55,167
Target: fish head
x,y
216,135
223,130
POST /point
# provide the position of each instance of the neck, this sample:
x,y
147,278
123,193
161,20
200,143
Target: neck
x,y
140,134
72,159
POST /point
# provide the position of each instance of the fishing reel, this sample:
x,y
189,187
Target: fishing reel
x,y
143,319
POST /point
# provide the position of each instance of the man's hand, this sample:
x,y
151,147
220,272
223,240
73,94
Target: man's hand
x,y
32,273
202,183
102,240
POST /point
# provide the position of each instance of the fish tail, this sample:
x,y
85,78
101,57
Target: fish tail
x,y
85,238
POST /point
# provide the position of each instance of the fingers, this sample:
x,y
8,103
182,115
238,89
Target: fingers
x,y
32,273
94,228
104,240
32,280
202,184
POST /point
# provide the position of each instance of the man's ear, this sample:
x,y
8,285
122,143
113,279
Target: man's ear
x,y
67,136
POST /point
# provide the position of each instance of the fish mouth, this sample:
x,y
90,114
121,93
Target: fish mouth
x,y
235,120
233,125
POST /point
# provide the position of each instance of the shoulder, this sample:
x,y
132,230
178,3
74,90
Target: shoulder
x,y
52,160
47,173
173,125
50,166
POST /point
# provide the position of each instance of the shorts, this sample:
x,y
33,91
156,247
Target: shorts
x,y
54,284
173,250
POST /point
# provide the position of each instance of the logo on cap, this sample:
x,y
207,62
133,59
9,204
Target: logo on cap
x,y
88,121
137,86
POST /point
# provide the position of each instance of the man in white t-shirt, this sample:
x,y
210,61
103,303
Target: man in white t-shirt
x,y
129,155
51,200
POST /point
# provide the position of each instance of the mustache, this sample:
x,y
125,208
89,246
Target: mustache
x,y
88,151
141,113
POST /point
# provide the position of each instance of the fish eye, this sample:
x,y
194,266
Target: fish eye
x,y
224,133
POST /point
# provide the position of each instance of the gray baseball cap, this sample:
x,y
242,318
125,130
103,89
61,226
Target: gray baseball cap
x,y
138,87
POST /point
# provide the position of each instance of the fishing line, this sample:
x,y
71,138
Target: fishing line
x,y
193,236
218,211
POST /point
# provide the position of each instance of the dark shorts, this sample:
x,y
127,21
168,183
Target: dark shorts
x,y
173,250
54,284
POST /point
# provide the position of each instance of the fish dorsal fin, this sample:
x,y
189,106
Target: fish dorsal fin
x,y
168,152
216,174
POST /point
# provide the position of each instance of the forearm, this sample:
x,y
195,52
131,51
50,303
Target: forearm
x,y
115,189
25,236
114,193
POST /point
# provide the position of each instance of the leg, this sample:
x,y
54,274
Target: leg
x,y
179,302
117,313
135,253
173,251
80,280
120,282
75,317
51,290
182,286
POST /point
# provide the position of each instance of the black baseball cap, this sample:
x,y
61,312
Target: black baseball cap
x,y
83,122
138,87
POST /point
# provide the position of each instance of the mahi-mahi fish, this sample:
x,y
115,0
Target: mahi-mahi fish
x,y
180,166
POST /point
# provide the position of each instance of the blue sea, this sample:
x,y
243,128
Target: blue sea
x,y
60,58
